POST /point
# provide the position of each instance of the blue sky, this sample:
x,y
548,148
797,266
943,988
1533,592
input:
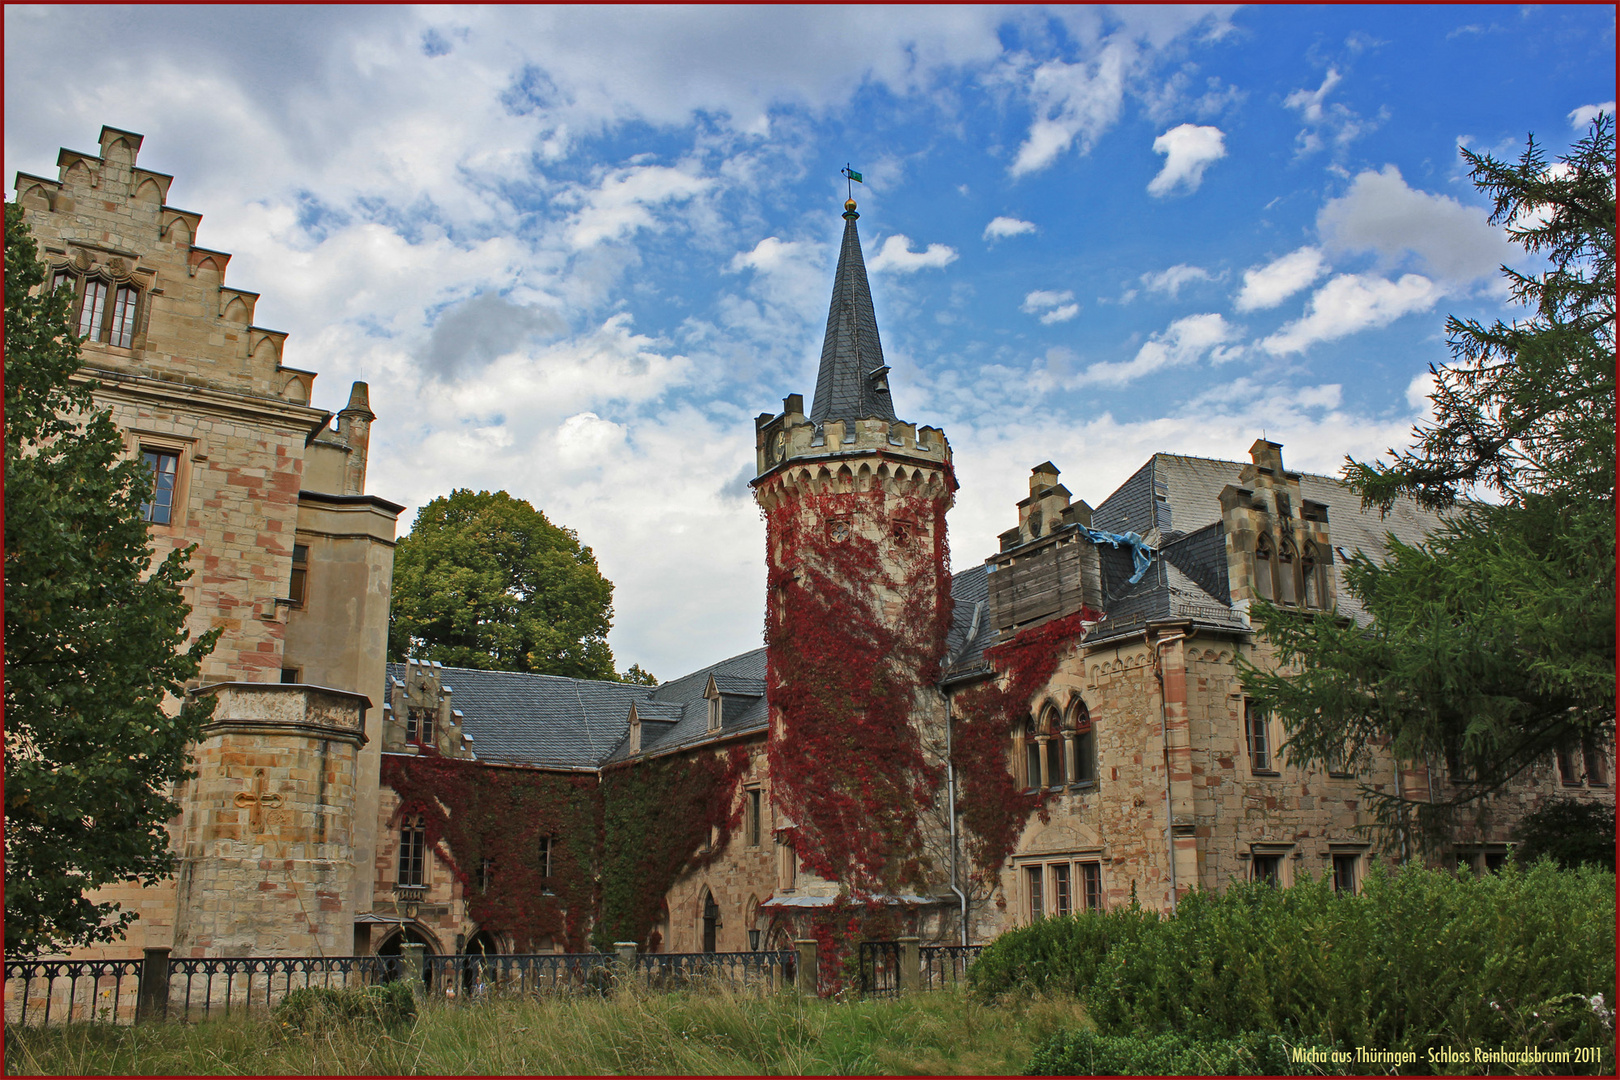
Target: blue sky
x,y
576,250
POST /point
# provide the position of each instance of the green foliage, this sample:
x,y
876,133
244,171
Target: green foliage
x,y
639,676
1061,955
316,1009
1492,644
1420,959
1086,1053
95,640
1570,832
486,581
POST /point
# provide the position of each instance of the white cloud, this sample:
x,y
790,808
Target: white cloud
x,y
626,199
896,255
1183,342
585,438
1051,306
1581,117
1073,101
1381,213
1269,285
1309,102
1339,122
1169,282
1189,149
1353,302
1002,227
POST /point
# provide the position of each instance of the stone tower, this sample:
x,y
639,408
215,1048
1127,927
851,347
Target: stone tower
x,y
858,606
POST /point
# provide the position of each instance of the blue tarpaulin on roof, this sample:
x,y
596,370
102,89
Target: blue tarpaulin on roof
x,y
1141,554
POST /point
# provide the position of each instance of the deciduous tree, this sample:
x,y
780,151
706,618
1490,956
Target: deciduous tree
x,y
96,651
486,581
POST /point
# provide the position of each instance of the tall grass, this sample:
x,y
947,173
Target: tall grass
x,y
636,1032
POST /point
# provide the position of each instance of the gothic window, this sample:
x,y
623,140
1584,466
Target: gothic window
x,y
1313,572
1264,558
902,532
1032,756
165,468
91,308
1084,741
838,530
711,922
1257,729
1052,748
1287,591
412,851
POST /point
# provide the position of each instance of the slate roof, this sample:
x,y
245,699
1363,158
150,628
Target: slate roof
x,y
972,630
851,353
741,682
519,718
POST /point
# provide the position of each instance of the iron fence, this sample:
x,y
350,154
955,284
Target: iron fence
x,y
761,972
880,968
477,976
198,986
74,989
944,965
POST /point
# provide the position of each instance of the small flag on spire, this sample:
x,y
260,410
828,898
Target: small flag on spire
x,y
852,174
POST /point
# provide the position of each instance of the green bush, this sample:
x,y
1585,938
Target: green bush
x,y
1086,1053
321,1008
1420,959
1569,832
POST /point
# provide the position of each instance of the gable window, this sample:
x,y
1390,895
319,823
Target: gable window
x,y
91,309
165,469
300,571
1084,741
1256,725
1287,585
714,713
419,726
1263,567
1313,573
412,851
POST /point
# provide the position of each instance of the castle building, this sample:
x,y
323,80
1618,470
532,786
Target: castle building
x,y
1060,727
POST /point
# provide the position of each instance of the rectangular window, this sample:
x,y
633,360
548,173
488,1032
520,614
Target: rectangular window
x,y
1085,757
486,874
289,674
1259,738
165,468
1091,885
90,312
752,825
1567,773
123,317
787,866
1268,868
419,726
1054,761
1032,763
412,851
1037,889
300,574
547,845
1062,904
1337,763
1597,765
1494,861
1344,872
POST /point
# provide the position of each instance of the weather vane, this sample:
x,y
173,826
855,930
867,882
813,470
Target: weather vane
x,y
850,174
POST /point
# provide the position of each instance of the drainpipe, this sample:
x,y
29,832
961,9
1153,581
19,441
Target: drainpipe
x,y
1164,741
950,787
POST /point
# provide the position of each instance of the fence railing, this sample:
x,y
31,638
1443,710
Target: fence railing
x,y
945,965
880,968
40,992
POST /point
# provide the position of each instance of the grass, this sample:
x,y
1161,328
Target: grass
x,y
634,1032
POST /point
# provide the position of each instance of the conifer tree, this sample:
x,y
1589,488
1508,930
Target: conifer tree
x,y
96,652
1491,645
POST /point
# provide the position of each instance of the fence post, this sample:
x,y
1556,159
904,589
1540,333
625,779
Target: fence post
x,y
413,958
910,965
807,977
624,959
152,999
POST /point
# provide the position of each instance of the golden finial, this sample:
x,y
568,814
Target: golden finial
x,y
849,205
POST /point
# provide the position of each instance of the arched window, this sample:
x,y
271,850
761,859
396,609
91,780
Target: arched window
x,y
1053,748
1264,560
1084,740
1313,571
1032,755
711,922
1287,564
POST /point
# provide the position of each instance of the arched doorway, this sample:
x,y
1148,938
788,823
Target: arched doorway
x,y
391,947
711,921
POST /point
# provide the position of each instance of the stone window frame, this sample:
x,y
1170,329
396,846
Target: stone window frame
x,y
1569,774
113,317
411,862
1480,858
753,816
1348,859
1595,763
1256,722
1081,735
1271,861
139,442
1081,868
298,577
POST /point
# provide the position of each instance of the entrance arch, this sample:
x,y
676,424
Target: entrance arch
x,y
711,921
408,934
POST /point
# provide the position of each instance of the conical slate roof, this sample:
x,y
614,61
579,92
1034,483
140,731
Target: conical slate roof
x,y
853,383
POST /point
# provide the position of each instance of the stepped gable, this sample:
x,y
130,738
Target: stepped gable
x,y
853,381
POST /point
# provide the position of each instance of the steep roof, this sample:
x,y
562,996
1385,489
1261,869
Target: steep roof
x,y
852,383
740,682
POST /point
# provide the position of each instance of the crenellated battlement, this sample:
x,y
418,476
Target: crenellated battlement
x,y
792,439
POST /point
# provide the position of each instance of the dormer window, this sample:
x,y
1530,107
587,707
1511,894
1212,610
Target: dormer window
x,y
714,713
